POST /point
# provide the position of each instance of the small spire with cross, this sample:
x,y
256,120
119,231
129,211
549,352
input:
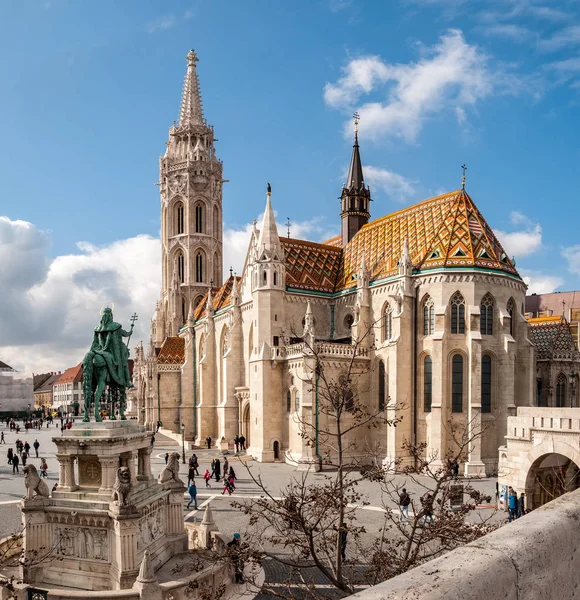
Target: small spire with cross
x,y
356,118
288,225
463,177
211,284
563,308
231,271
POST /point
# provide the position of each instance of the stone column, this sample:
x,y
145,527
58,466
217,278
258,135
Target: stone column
x,y
140,465
474,466
109,465
130,461
69,473
62,458
146,452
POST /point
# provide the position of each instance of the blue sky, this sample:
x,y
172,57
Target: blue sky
x,y
89,90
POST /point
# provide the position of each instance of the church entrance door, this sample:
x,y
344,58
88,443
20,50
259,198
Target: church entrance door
x,y
246,425
276,450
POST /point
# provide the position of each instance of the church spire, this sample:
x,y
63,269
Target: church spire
x,y
269,233
355,197
191,112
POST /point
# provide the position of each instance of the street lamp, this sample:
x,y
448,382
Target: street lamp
x,y
183,442
572,386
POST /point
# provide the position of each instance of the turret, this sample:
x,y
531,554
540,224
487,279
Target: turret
x,y
355,198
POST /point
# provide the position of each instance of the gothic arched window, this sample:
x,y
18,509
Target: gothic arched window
x,y
199,218
216,221
428,316
275,279
178,218
199,266
457,313
486,315
486,383
387,322
427,383
511,308
183,311
382,386
197,300
225,341
457,383
561,390
288,401
180,267
265,278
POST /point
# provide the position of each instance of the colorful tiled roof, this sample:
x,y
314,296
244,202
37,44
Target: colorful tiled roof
x,y
72,375
445,231
311,266
549,335
172,351
221,298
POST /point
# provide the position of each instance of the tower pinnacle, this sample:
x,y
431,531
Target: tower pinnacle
x,y
191,112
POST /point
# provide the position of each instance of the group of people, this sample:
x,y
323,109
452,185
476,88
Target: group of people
x,y
239,443
228,479
516,506
22,454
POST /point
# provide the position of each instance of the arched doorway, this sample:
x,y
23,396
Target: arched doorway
x,y
276,450
246,425
550,476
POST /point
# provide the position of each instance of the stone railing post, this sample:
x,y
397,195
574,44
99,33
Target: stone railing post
x,y
109,467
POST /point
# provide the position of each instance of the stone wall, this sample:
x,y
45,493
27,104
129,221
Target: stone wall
x,y
535,557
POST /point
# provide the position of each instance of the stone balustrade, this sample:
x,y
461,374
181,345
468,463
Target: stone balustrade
x,y
323,349
530,418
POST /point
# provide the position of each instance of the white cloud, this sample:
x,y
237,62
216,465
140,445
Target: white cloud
x,y
396,186
516,33
521,243
569,36
540,283
572,255
450,75
339,5
162,23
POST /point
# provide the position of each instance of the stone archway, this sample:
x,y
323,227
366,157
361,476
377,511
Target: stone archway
x,y
246,424
551,469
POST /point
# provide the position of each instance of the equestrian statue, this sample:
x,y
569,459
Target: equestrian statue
x,y
106,367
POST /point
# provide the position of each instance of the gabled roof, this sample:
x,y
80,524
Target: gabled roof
x,y
5,367
39,379
172,351
311,266
48,384
72,375
221,297
549,335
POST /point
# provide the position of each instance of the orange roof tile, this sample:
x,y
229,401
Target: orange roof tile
x,y
221,297
72,375
172,351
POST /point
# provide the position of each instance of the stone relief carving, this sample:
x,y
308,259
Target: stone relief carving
x,y
151,528
83,542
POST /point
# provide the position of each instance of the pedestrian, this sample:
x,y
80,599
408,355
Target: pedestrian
x,y
455,469
242,442
195,464
24,457
226,466
166,457
190,474
192,489
36,447
227,486
236,558
404,501
54,487
152,440
232,473
2,438
208,442
207,477
15,461
158,426
43,468
512,506
10,455
237,443
521,505
217,468
427,502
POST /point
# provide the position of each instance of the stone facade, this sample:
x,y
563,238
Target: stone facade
x,y
434,302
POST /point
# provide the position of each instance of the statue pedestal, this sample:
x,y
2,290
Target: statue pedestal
x,y
106,512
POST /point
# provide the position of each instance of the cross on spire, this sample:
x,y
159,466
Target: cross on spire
x,y
463,176
356,118
563,307
288,225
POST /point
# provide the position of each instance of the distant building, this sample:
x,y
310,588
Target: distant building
x,y
564,304
43,391
16,390
68,390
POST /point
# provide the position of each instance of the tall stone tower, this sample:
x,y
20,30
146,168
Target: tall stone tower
x,y
190,180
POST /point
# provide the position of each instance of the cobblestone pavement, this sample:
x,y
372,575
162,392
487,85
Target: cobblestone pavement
x,y
228,519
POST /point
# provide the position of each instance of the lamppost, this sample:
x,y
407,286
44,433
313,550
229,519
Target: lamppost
x,y
572,386
183,442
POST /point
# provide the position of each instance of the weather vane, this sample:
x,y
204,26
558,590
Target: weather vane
x,y
288,225
463,176
356,118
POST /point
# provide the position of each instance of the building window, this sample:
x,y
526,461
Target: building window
x,y
561,390
457,314
388,323
539,392
179,213
511,308
275,278
381,385
457,384
427,383
199,267
288,401
183,311
199,218
428,316
265,278
486,315
297,401
181,267
486,384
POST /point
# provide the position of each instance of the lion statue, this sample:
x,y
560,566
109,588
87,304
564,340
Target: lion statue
x,y
171,472
34,485
122,487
